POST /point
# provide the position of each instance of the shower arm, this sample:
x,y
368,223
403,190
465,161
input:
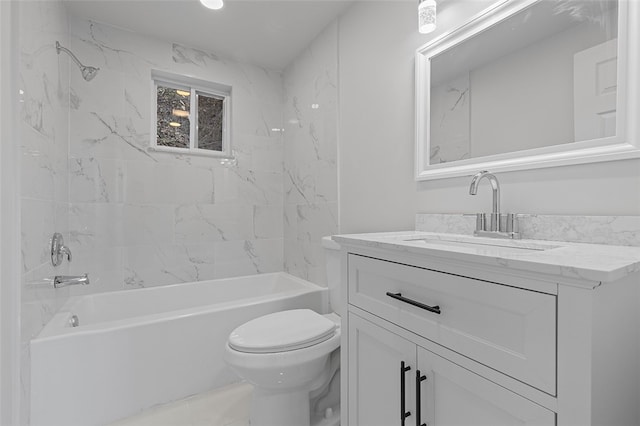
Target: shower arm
x,y
64,49
87,72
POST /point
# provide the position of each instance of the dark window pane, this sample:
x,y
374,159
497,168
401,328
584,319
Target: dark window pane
x,y
173,117
210,119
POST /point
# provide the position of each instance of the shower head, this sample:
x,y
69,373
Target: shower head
x,y
88,73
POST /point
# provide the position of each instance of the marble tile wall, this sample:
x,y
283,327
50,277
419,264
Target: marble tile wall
x,y
139,218
44,117
310,155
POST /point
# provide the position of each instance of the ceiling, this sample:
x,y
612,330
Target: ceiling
x,y
262,32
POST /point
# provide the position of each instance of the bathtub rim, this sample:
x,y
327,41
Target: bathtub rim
x,y
58,327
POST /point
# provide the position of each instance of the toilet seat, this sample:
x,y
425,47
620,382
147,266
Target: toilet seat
x,y
282,332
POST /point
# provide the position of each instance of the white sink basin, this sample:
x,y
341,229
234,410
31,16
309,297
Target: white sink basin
x,y
478,242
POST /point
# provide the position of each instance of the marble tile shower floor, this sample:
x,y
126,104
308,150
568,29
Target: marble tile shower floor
x,y
228,406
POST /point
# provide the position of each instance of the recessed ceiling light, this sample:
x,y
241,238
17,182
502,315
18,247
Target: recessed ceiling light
x,y
212,4
183,93
174,124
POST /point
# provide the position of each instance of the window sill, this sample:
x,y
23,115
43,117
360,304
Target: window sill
x,y
195,152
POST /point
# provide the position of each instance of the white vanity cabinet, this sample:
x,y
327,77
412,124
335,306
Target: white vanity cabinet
x,y
453,343
394,375
452,395
378,386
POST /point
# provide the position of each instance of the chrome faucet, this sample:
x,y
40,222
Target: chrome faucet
x,y
473,190
500,226
65,280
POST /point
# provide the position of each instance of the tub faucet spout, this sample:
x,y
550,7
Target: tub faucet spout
x,y
65,280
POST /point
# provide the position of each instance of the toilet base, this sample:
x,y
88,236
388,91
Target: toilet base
x,y
269,408
330,418
288,409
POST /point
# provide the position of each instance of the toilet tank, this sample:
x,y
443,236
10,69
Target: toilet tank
x,y
332,264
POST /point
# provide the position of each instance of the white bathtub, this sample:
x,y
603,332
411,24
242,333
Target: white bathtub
x,y
138,348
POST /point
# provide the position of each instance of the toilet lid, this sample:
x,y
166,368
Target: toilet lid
x,y
282,331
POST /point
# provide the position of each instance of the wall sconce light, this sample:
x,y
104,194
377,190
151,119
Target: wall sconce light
x,y
426,16
212,4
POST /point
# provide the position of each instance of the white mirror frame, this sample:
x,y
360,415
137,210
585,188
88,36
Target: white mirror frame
x,y
624,145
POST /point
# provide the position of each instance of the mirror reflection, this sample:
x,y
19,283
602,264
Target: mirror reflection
x,y
545,76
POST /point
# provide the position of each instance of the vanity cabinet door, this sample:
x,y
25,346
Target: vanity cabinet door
x,y
375,377
451,395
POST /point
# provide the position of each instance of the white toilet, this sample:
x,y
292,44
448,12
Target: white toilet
x,y
292,358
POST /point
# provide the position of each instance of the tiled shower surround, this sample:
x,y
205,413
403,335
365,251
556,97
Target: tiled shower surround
x,y
140,218
137,218
310,155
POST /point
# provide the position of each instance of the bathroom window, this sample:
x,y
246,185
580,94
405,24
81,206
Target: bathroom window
x,y
191,116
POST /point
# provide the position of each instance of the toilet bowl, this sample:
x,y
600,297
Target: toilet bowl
x,y
292,359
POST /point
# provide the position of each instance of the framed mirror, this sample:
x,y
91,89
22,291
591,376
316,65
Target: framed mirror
x,y
530,84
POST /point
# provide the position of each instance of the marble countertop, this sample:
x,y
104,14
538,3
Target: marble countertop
x,y
594,262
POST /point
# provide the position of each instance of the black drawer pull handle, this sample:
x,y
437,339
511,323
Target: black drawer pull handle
x,y
403,414
398,296
419,378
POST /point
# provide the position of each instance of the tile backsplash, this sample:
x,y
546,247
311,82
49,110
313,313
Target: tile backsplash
x,y
612,230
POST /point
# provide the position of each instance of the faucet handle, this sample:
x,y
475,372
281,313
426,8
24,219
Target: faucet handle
x,y
508,221
65,252
481,222
59,250
512,223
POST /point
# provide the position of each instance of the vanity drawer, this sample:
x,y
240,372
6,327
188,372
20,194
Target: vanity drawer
x,y
506,328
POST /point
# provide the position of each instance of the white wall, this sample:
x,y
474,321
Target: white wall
x,y
378,193
377,41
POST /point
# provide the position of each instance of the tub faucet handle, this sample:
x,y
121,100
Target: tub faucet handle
x,y
65,252
59,250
